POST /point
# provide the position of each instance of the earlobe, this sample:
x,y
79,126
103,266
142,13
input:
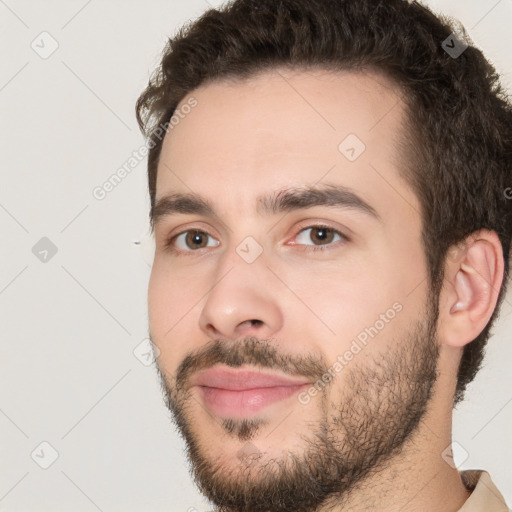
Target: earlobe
x,y
472,288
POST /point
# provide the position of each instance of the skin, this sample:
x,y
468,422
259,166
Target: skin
x,y
278,130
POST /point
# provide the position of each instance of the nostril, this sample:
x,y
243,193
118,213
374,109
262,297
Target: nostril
x,y
252,322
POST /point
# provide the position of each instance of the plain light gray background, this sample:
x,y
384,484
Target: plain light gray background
x,y
70,325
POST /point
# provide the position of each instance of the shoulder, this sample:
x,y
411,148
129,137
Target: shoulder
x,y
485,497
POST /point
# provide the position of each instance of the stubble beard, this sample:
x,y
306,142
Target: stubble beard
x,y
380,408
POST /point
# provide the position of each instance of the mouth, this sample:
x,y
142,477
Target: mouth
x,y
242,393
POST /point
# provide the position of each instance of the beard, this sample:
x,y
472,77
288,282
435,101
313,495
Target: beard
x,y
379,408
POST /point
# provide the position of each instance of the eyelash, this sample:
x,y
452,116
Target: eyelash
x,y
170,242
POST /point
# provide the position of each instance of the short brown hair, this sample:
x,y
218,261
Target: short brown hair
x,y
459,137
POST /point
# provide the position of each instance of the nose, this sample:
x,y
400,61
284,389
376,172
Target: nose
x,y
242,303
247,328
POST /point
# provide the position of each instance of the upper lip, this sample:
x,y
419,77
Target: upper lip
x,y
236,380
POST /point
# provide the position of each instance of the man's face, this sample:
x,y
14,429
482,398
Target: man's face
x,y
291,372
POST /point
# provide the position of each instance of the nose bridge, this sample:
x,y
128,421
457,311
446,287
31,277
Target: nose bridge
x,y
241,297
245,250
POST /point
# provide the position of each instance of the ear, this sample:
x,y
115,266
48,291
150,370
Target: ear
x,y
473,277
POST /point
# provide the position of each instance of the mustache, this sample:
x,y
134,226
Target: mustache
x,y
249,351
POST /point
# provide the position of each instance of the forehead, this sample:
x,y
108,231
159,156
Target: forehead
x,y
286,128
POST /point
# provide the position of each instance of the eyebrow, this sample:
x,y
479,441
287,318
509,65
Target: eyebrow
x,y
292,199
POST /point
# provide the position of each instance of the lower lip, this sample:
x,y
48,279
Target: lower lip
x,y
239,404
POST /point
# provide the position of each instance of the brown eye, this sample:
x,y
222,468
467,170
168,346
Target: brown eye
x,y
321,236
189,241
196,239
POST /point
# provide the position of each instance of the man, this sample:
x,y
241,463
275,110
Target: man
x,y
327,182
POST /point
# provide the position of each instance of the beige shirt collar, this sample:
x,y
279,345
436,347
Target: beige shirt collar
x,y
485,497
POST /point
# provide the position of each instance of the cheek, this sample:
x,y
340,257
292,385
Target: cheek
x,y
159,300
357,310
342,302
172,291
169,305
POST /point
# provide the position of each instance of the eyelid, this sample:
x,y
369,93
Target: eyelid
x,y
309,224
170,240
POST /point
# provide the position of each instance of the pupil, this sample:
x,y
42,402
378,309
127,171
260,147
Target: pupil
x,y
322,234
196,238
